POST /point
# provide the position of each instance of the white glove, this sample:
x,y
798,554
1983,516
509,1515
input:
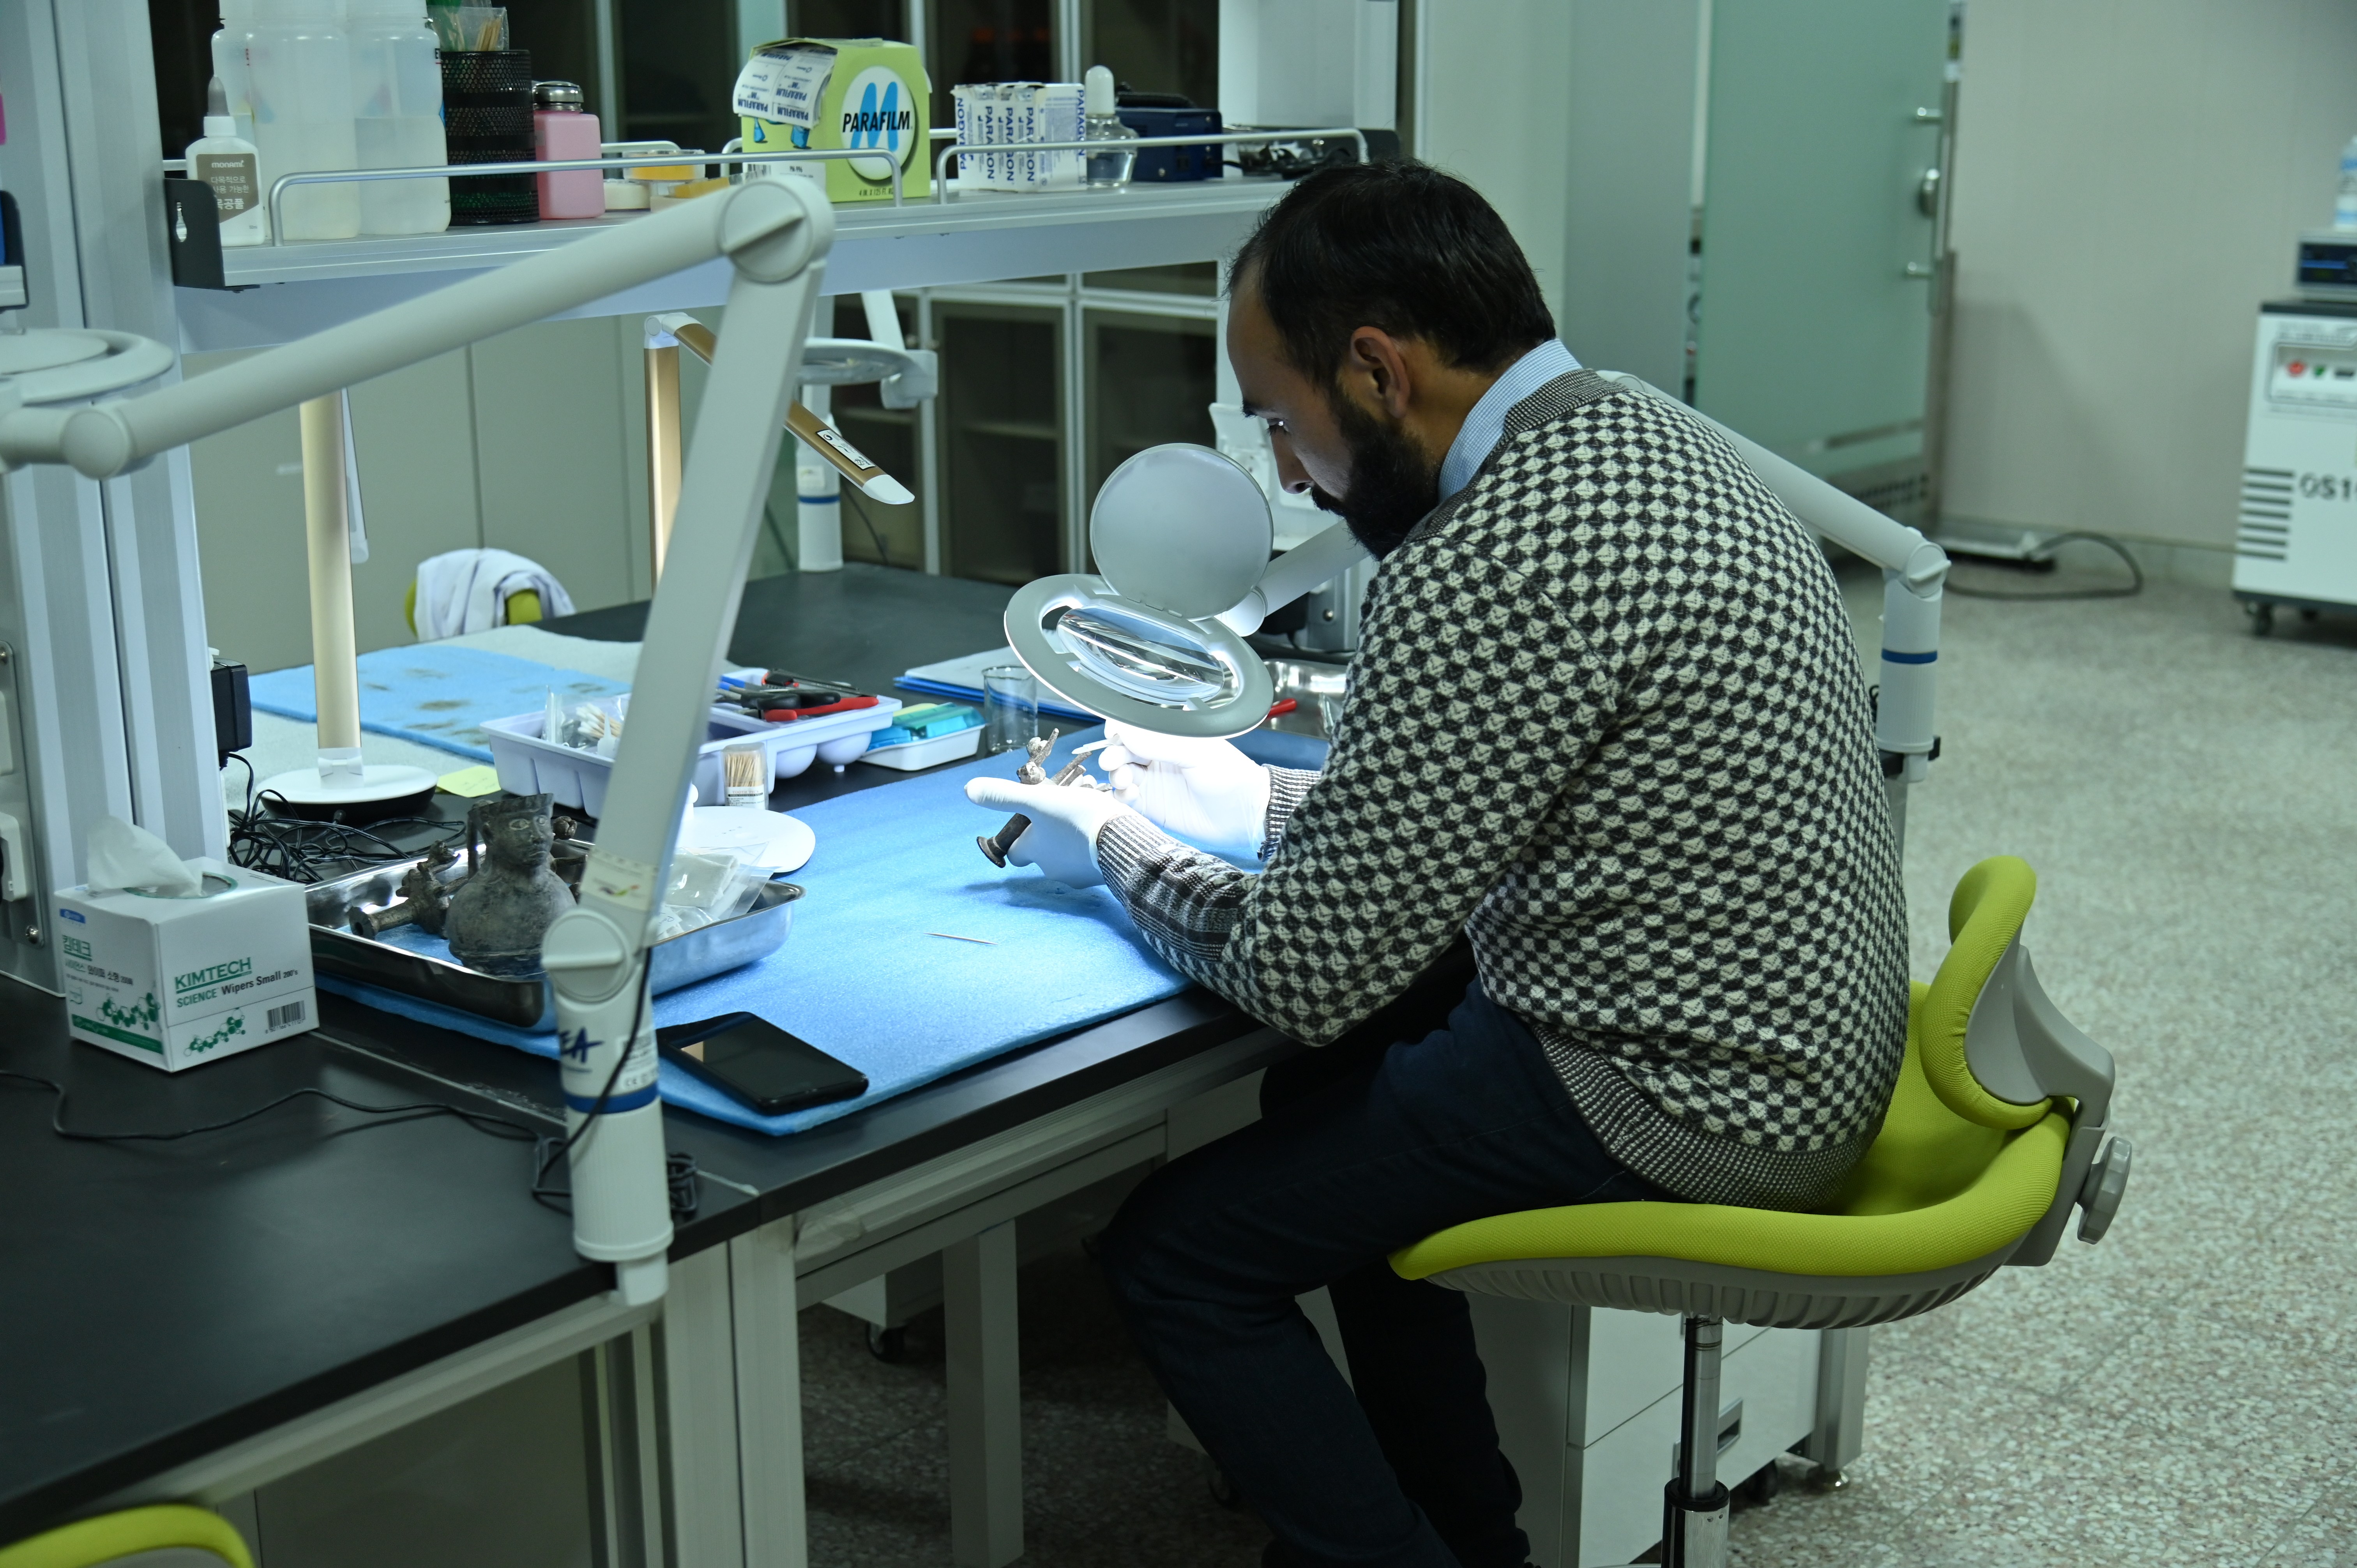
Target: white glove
x,y
1062,838
1205,792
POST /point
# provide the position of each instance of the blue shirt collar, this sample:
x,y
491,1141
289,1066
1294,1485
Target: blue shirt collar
x,y
1487,422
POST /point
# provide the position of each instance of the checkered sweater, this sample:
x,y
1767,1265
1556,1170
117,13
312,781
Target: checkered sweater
x,y
1607,719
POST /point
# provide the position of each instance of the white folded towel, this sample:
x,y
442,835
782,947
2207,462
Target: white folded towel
x,y
467,590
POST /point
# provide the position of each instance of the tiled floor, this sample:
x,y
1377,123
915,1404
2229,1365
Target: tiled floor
x,y
2183,1393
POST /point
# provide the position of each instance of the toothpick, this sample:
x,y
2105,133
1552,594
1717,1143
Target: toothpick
x,y
953,935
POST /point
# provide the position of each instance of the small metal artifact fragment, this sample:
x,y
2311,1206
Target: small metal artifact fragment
x,y
995,847
424,898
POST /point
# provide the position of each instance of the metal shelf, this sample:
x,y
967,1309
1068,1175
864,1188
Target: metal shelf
x,y
290,291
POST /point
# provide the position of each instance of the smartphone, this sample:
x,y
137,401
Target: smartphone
x,y
758,1065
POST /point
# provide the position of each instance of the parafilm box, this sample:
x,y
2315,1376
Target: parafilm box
x,y
839,94
178,981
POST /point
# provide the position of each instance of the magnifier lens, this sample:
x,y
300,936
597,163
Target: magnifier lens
x,y
1142,660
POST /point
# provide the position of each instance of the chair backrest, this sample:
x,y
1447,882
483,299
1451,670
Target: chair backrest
x,y
169,1535
1998,1052
1985,916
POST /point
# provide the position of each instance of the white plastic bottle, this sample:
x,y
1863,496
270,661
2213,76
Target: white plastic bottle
x,y
226,161
300,83
229,63
397,116
2344,205
1101,122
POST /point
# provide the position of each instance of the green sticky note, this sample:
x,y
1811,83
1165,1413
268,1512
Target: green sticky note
x,y
480,779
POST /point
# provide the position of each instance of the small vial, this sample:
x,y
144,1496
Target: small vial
x,y
1101,122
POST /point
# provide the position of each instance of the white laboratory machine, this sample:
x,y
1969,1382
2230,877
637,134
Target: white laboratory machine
x,y
2296,531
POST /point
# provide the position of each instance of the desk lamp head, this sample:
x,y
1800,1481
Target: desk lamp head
x,y
1182,538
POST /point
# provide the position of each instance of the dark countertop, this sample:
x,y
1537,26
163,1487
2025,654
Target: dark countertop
x,y
168,1299
863,625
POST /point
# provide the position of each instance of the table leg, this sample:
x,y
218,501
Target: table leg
x,y
769,1396
705,1497
733,1393
985,1399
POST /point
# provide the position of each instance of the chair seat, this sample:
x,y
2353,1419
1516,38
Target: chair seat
x,y
1936,1206
2010,1198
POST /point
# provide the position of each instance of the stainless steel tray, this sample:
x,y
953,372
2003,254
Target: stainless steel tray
x,y
673,962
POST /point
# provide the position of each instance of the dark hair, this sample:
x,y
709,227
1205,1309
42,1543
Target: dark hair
x,y
1400,246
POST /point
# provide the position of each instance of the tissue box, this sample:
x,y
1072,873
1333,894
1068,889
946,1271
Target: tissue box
x,y
175,982
997,113
825,93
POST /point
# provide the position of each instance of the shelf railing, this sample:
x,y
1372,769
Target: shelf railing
x,y
279,187
945,190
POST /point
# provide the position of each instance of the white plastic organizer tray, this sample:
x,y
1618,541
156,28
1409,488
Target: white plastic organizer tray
x,y
528,765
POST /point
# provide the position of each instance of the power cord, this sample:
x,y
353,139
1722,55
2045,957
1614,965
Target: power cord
x,y
481,1121
2043,555
300,849
679,1169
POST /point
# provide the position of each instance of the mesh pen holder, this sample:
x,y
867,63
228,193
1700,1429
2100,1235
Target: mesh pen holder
x,y
487,119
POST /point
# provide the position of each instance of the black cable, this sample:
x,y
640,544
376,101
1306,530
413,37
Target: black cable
x,y
777,536
883,556
2044,555
541,1191
240,757
301,849
483,1121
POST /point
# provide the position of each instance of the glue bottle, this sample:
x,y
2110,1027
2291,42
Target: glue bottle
x,y
226,161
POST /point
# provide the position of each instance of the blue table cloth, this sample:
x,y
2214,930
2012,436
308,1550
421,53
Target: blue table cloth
x,y
436,694
874,971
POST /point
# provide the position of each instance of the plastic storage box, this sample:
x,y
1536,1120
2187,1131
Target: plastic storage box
x,y
528,765
912,754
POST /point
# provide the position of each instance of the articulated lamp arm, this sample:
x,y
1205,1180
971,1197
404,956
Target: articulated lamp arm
x,y
1914,574
777,234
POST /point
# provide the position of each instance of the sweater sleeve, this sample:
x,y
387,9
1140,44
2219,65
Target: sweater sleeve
x,y
1481,688
1287,787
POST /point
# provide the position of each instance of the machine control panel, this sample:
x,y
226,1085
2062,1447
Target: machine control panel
x,y
2314,375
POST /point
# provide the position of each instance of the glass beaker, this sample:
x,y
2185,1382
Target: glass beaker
x,y
1010,708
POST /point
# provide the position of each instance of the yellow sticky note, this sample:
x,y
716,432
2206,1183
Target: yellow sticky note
x,y
480,779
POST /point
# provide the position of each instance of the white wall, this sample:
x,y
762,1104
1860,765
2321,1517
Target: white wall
x,y
1491,105
2130,175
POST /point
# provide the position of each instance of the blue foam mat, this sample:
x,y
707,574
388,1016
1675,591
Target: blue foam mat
x,y
435,694
863,978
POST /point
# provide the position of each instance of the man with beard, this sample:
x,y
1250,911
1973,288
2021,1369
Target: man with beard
x,y
1606,727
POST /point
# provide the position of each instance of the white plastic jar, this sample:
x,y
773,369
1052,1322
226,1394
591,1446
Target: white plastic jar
x,y
397,116
300,81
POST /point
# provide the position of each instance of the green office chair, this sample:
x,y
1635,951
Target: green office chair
x,y
1996,1131
169,1536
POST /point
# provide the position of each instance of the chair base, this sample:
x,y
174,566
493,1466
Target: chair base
x,y
1755,1296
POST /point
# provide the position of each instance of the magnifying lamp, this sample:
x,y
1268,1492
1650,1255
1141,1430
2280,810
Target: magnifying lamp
x,y
1154,638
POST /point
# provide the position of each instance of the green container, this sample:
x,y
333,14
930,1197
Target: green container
x,y
831,93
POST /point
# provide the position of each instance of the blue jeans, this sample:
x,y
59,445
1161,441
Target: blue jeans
x,y
1363,1148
